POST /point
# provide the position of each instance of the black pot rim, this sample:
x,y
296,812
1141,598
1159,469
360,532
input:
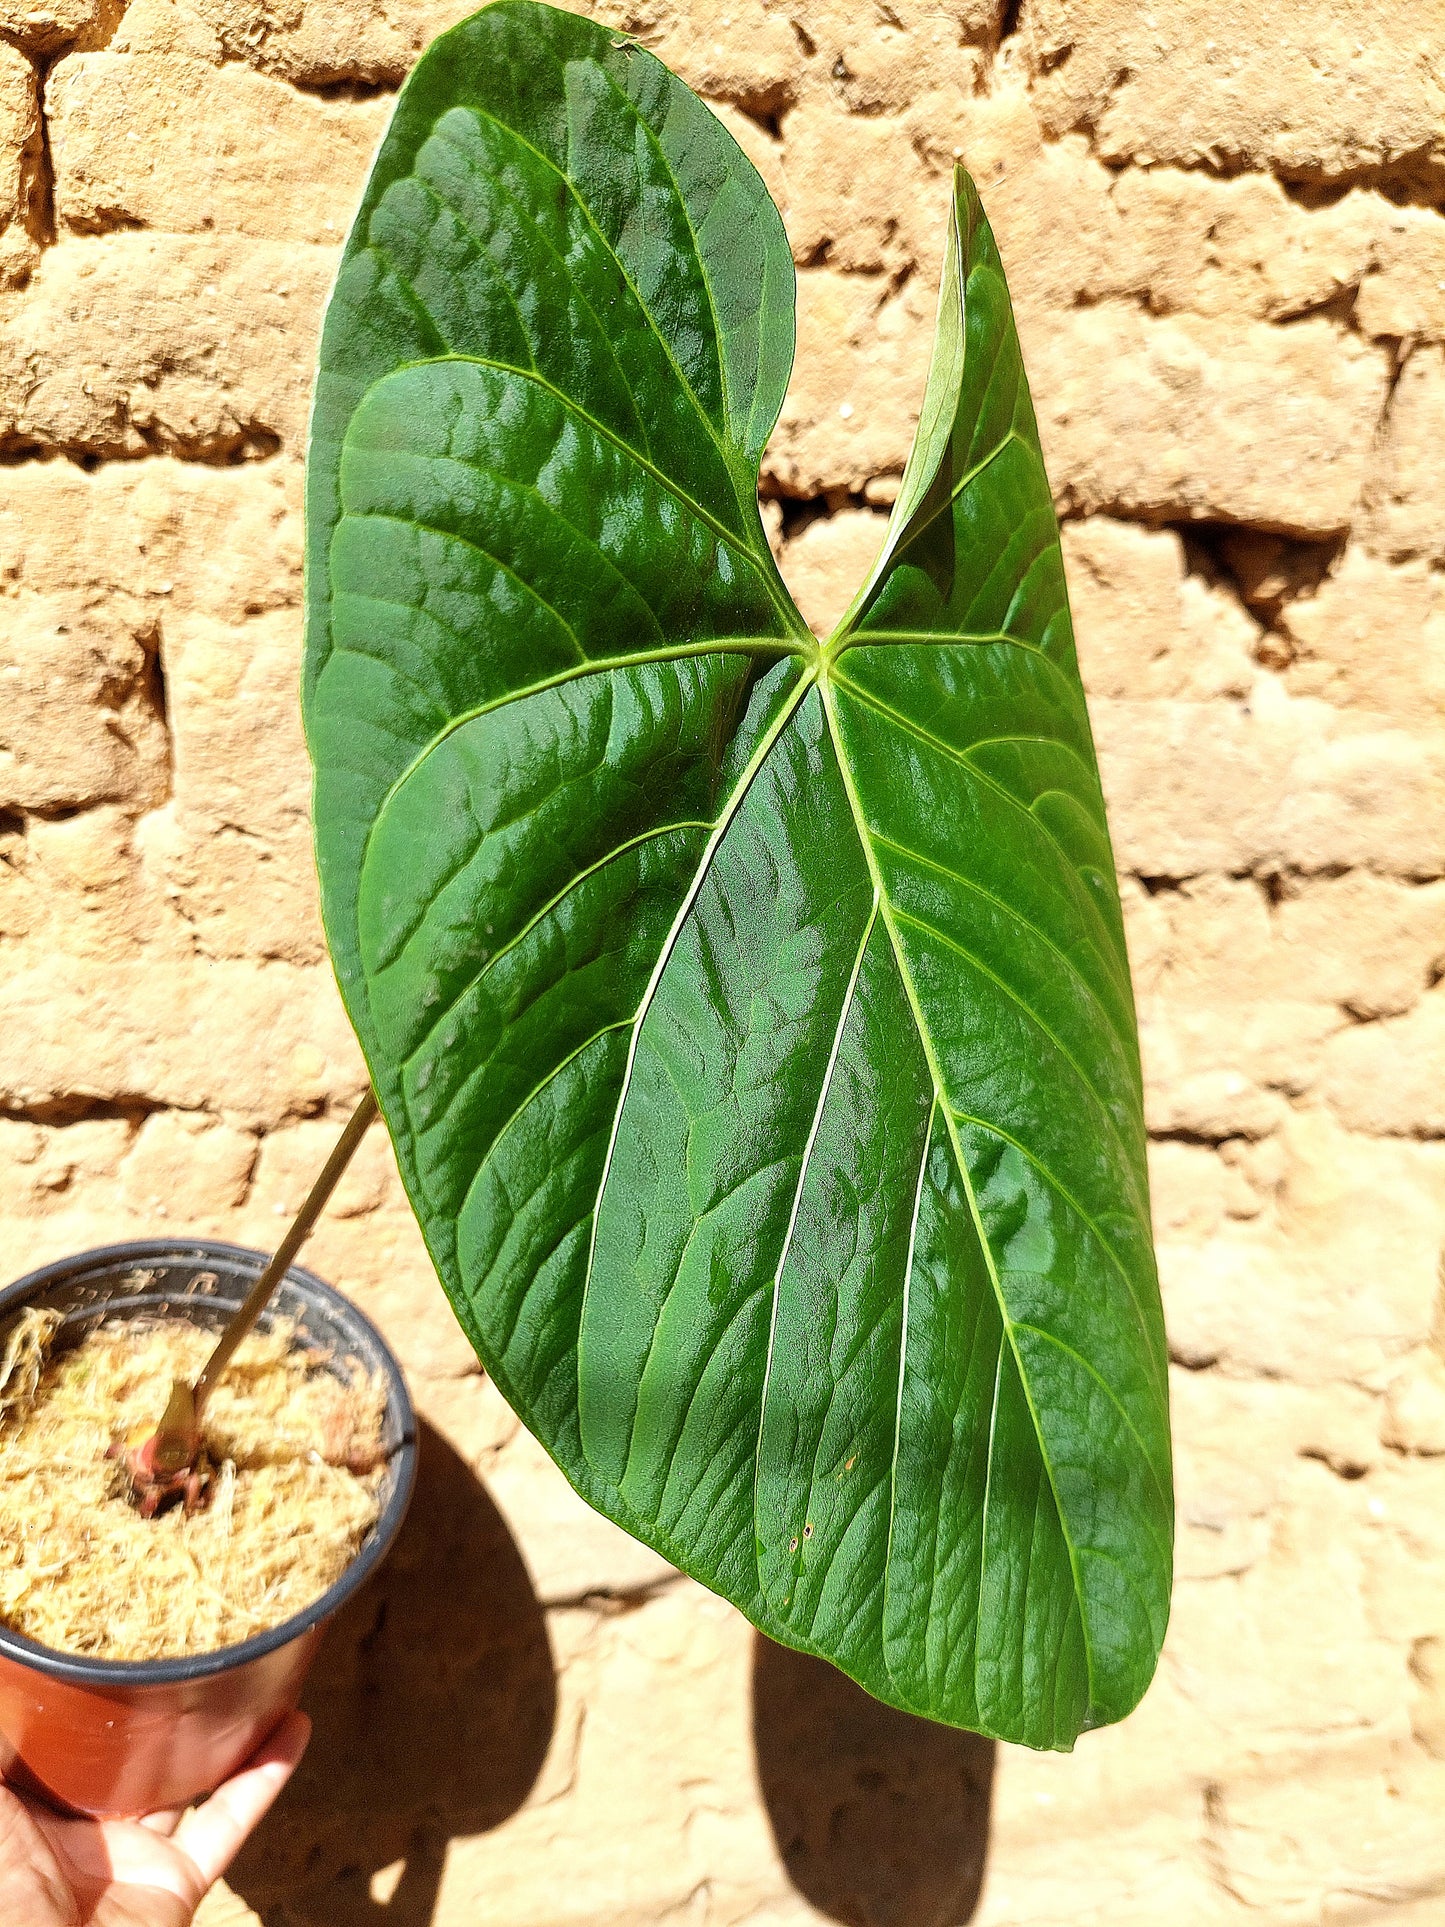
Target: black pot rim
x,y
78,1670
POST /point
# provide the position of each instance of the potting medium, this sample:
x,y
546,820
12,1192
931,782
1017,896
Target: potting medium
x,y
293,1441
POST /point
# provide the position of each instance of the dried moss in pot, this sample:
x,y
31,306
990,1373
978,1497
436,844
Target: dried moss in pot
x,y
293,1441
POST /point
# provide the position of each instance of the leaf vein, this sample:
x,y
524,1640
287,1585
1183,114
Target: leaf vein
x,y
575,192
981,776
925,1037
490,555
1057,1185
903,1352
1061,1344
440,1016
535,1092
803,1167
1024,923
1047,1030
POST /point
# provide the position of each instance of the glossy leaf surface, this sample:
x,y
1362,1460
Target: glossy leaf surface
x,y
751,1016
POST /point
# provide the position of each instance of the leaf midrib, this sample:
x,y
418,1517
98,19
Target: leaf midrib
x,y
1024,923
1040,1023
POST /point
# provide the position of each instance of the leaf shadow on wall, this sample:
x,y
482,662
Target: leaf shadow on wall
x,y
881,1818
433,1699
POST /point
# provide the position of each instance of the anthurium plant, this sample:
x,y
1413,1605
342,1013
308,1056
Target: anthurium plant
x,y
750,1013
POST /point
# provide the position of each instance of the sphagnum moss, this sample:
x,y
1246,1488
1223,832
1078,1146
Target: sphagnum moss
x,y
296,1447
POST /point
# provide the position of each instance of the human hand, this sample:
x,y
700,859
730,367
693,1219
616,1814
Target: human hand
x,y
62,1872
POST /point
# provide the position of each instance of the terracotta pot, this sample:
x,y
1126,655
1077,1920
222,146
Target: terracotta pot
x,y
129,1736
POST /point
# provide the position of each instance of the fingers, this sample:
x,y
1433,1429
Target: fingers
x,y
164,1822
284,1748
211,1835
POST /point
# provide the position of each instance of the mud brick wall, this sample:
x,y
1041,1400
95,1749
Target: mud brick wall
x,y
1222,220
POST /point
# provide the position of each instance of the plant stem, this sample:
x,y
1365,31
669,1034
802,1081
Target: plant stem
x,y
175,1442
256,1298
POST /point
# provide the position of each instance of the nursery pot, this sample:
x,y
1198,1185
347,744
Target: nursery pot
x,y
103,1736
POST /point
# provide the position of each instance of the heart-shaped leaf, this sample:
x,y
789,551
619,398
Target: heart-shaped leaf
x,y
751,1015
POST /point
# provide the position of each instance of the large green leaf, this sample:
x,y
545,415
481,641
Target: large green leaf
x,y
751,1016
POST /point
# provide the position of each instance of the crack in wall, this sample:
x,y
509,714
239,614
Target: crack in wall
x,y
342,86
37,185
612,1602
75,1107
156,694
1265,573
249,443
1415,181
